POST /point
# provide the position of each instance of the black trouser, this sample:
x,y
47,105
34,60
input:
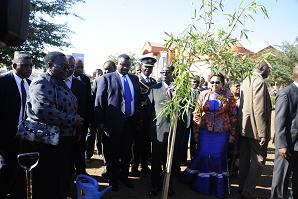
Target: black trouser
x,y
9,171
142,146
79,151
283,169
92,136
117,151
51,178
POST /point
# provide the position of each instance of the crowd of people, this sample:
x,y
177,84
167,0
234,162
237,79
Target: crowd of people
x,y
227,128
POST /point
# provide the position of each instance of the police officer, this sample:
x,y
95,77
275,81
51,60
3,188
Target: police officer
x,y
142,148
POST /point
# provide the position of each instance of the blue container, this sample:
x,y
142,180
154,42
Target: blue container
x,y
87,188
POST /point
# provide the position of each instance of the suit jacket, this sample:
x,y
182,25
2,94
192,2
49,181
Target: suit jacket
x,y
256,108
10,105
79,89
89,117
109,99
160,126
144,92
286,118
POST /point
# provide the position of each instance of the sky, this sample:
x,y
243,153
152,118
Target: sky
x,y
123,26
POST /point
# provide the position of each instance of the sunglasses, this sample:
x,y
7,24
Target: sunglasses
x,y
62,66
215,82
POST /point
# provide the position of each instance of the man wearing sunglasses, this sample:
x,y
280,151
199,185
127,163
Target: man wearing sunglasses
x,y
13,91
256,119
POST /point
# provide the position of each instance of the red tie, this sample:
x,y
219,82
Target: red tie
x,y
169,91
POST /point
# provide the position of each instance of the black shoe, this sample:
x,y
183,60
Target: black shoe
x,y
115,186
145,169
153,193
135,173
127,182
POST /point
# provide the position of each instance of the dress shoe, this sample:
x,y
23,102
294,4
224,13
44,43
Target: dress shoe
x,y
153,193
145,169
127,182
115,186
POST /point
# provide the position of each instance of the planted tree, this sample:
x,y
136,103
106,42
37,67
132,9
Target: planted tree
x,y
204,40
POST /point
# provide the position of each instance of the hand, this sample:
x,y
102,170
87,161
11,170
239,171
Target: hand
x,y
283,152
262,141
231,139
79,121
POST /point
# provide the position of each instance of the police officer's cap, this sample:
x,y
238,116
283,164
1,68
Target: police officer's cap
x,y
148,61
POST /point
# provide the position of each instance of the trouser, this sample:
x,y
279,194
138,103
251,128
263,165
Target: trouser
x,y
51,178
93,136
283,169
252,162
117,151
79,151
142,147
9,177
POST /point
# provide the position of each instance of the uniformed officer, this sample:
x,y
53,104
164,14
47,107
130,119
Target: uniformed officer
x,y
142,148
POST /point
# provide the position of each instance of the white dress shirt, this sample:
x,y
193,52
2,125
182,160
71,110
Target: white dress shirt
x,y
68,81
296,84
132,93
26,85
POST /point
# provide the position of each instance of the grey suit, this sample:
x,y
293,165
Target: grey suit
x,y
286,136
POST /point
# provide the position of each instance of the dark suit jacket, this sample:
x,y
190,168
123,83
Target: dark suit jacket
x,y
89,102
10,105
108,102
286,118
161,125
79,89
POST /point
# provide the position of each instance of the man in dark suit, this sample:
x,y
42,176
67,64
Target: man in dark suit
x,y
142,147
286,141
79,89
79,74
13,91
116,113
108,67
160,127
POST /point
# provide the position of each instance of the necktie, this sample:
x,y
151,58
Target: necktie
x,y
24,95
169,92
147,79
127,97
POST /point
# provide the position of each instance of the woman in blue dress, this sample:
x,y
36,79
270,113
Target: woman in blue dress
x,y
214,123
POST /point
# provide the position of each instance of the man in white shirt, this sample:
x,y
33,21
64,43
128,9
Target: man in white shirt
x,y
116,114
13,91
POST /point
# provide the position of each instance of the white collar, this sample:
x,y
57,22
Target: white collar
x,y
18,78
144,76
296,84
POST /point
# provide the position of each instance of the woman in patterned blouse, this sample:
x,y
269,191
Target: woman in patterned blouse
x,y
50,101
214,122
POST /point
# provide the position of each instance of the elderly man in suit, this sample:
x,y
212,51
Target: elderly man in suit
x,y
255,105
116,113
13,91
142,147
286,141
160,127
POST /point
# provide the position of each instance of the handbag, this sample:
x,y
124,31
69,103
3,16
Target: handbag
x,y
32,130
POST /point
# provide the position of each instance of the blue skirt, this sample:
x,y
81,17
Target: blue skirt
x,y
208,172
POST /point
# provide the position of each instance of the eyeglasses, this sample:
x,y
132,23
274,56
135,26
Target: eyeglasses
x,y
64,66
237,86
215,82
25,65
165,72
